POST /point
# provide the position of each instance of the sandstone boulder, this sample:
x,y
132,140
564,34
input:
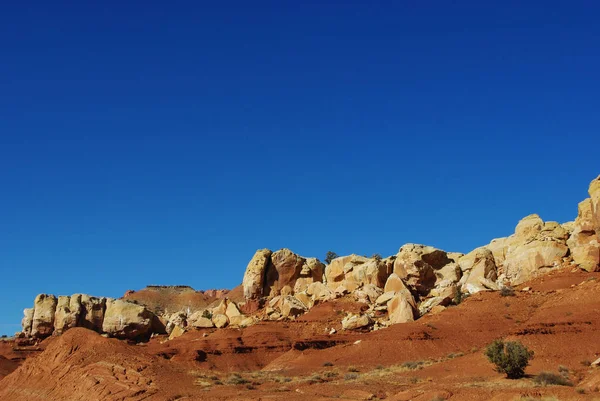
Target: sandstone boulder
x,y
417,265
533,249
126,320
27,321
232,310
476,265
401,308
242,321
177,319
284,270
312,272
584,242
353,322
353,271
319,292
255,273
67,313
220,320
523,262
176,332
200,322
43,316
92,312
291,306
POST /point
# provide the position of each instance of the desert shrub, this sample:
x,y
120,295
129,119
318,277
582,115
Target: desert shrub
x,y
328,364
459,297
507,292
551,379
510,357
331,375
236,379
376,256
207,314
412,365
580,390
353,369
350,376
329,256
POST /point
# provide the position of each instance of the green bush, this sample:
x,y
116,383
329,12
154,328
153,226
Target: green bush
x,y
329,256
510,357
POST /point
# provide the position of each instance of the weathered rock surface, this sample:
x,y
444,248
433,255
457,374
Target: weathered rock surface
x,y
417,265
255,273
43,316
68,310
126,320
476,265
353,271
534,248
27,321
584,242
92,312
353,322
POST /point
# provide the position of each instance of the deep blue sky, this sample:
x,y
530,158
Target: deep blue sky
x,y
164,142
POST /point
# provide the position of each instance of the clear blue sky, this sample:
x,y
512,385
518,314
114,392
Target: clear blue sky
x,y
164,142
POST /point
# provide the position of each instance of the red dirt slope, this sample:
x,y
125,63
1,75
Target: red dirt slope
x,y
296,360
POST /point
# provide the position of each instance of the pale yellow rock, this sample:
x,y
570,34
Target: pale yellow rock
x,y
220,320
385,298
305,299
527,261
242,321
232,310
585,249
594,192
286,290
584,241
292,306
394,284
401,308
312,272
27,321
221,308
68,310
529,227
200,320
177,332
43,316
255,273
92,312
123,319
417,264
476,265
353,322
354,271
319,292
284,270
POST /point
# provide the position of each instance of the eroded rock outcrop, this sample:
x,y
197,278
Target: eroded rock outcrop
x,y
124,319
117,318
584,242
353,271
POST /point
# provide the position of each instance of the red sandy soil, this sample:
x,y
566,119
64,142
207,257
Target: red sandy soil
x,y
298,360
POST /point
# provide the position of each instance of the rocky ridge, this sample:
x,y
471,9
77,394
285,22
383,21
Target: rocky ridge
x,y
419,279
